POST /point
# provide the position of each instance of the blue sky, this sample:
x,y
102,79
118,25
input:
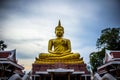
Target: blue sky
x,y
27,25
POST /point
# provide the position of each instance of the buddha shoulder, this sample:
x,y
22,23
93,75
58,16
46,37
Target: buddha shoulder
x,y
59,39
66,40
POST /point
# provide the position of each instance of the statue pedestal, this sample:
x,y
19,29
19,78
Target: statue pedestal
x,y
57,68
44,67
79,71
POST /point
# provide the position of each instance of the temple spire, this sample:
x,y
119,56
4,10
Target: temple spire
x,y
59,23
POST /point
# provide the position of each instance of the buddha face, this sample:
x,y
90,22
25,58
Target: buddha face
x,y
59,31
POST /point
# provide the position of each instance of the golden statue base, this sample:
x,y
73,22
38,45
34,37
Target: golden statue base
x,y
53,61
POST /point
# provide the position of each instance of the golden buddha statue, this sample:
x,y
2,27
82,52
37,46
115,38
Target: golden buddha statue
x,y
61,51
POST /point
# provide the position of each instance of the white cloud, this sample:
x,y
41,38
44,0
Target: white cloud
x,y
85,51
26,63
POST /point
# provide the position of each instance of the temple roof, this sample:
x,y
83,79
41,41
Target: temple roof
x,y
111,58
115,54
9,57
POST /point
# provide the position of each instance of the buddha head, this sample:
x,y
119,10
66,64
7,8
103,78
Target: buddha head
x,y
59,30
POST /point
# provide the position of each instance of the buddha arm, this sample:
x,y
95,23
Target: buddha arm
x,y
50,46
68,46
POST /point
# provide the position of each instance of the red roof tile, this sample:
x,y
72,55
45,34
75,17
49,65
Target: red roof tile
x,y
115,54
4,54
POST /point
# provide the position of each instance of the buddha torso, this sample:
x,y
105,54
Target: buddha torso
x,y
61,45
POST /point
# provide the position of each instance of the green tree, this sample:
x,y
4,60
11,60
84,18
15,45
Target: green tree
x,y
96,59
109,39
2,45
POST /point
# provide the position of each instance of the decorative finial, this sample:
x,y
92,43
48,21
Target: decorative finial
x,y
59,23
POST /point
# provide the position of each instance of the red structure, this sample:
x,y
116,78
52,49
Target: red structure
x,y
44,67
60,71
111,65
9,65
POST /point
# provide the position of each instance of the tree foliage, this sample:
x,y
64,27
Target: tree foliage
x,y
96,59
109,39
2,45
